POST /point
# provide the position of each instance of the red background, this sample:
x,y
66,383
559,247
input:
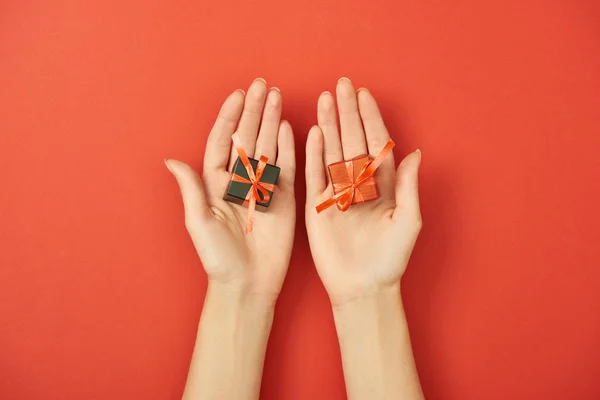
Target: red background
x,y
100,288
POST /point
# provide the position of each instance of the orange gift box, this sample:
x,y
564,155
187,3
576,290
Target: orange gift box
x,y
344,173
354,181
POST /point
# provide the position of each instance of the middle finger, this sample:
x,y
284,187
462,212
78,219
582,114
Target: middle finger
x,y
353,136
266,144
250,120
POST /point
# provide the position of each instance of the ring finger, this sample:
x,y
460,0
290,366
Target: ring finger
x,y
353,136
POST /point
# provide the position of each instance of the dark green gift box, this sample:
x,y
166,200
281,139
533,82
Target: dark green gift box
x,y
237,191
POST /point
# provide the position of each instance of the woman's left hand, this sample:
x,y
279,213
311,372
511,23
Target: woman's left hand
x,y
255,263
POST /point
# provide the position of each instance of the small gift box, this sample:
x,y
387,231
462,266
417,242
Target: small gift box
x,y
240,190
354,181
252,182
343,173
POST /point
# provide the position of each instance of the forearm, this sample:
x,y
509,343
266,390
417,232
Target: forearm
x,y
230,346
376,351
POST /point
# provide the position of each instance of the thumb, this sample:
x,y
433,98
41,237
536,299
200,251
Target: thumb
x,y
192,191
407,184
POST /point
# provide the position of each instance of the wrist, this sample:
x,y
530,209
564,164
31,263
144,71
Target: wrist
x,y
369,320
371,302
231,342
366,296
375,346
232,297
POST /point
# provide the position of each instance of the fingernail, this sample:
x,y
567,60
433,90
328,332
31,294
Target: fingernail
x,y
241,91
418,151
260,79
344,78
362,89
276,88
168,165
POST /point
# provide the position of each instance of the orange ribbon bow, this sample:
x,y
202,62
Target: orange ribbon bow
x,y
347,191
259,190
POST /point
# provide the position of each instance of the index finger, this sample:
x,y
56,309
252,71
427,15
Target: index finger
x,y
218,144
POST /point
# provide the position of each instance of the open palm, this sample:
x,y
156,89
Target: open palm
x,y
255,262
366,248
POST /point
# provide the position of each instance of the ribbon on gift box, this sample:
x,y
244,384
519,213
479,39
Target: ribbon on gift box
x,y
259,191
346,191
